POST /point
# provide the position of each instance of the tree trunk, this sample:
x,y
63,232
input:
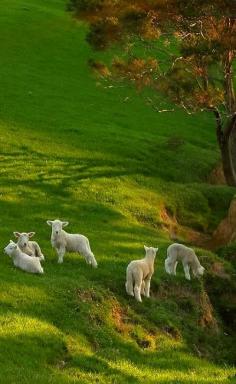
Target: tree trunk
x,y
228,166
226,140
233,148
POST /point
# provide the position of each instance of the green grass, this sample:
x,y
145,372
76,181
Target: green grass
x,y
104,161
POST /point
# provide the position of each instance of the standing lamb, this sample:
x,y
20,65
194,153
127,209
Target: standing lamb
x,y
63,241
31,248
22,260
179,252
139,274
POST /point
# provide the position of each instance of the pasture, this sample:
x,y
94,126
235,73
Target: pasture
x,y
103,160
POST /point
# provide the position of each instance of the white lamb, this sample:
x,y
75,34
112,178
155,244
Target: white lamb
x,y
63,241
31,248
139,274
22,260
179,252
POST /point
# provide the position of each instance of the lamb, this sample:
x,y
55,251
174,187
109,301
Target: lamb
x,y
179,252
22,260
63,241
31,248
139,274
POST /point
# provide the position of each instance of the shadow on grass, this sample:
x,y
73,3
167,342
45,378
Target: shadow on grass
x,y
25,355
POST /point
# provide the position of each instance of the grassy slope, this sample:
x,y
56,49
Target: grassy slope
x,y
72,150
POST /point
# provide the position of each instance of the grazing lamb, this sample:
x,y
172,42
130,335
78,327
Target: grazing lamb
x,y
31,248
22,260
63,241
139,274
179,252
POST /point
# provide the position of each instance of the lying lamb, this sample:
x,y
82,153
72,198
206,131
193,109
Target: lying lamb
x,y
139,274
21,260
31,248
179,252
63,241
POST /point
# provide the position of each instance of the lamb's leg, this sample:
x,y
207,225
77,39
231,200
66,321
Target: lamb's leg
x,y
143,288
88,254
186,271
90,258
61,251
174,269
39,252
137,288
147,286
137,293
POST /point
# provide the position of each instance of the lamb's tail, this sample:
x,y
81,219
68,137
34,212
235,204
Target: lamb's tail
x,y
129,285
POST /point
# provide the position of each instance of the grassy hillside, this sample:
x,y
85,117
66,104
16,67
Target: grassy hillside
x,y
122,175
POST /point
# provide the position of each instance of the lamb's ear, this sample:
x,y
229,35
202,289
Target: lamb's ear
x,y
49,222
31,234
156,249
146,248
65,223
16,234
12,242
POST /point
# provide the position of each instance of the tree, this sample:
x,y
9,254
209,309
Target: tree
x,y
183,49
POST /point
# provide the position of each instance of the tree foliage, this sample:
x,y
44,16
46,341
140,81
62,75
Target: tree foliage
x,y
184,49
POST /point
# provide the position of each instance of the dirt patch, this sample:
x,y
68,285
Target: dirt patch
x,y
169,223
144,340
225,233
172,331
167,217
188,301
121,319
180,234
88,295
169,220
131,328
217,175
218,269
207,319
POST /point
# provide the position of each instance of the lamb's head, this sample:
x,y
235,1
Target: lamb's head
x,y
200,271
10,248
23,238
150,252
57,226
